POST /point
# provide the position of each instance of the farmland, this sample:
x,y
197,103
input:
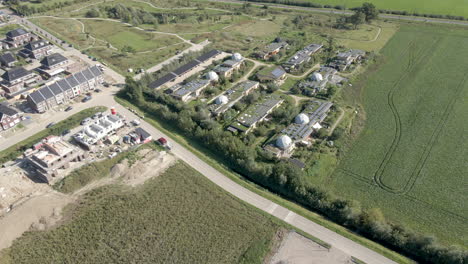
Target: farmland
x,y
178,217
409,158
448,7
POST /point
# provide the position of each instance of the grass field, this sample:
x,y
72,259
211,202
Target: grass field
x,y
447,7
150,49
410,159
178,217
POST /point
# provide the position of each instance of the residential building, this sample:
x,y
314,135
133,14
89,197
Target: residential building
x,y
9,117
271,49
273,74
190,90
229,98
300,130
344,59
51,155
54,64
319,80
301,57
16,79
8,59
66,89
98,129
255,114
170,77
36,49
18,37
227,68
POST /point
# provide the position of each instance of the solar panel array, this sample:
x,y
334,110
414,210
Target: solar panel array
x,y
183,69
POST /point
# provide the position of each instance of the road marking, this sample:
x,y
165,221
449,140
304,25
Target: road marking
x,y
289,217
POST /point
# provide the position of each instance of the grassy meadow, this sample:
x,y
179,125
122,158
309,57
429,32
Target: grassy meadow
x,y
178,217
410,158
447,7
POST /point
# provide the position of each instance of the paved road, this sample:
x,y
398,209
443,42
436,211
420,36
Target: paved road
x,y
338,12
106,98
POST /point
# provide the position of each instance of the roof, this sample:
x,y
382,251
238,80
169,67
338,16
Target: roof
x,y
15,74
191,87
53,59
142,133
6,110
297,163
60,86
274,73
7,58
210,54
303,54
36,97
16,32
184,68
163,80
35,45
278,72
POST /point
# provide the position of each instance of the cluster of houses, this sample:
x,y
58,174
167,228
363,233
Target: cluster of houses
x,y
193,89
300,130
100,127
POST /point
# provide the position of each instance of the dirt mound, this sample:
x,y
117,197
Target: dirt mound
x,y
150,165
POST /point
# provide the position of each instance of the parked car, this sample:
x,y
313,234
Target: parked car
x,y
135,122
163,142
86,99
66,132
98,90
85,121
50,125
68,108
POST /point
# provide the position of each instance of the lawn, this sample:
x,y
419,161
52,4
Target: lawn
x,y
447,7
178,217
410,158
6,28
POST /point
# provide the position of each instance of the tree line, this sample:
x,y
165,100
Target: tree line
x,y
342,7
194,122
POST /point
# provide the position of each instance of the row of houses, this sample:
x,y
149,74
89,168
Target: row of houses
x,y
98,129
229,98
65,89
255,113
17,38
170,77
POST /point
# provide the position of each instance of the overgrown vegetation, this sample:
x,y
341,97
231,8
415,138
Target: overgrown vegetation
x,y
16,150
178,217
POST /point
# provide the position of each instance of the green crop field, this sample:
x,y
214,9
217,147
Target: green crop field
x,y
410,158
178,217
447,7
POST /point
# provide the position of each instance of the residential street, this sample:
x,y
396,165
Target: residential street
x,y
106,98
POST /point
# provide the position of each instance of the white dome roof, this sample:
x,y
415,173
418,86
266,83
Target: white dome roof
x,y
317,77
237,57
301,119
283,142
212,76
222,100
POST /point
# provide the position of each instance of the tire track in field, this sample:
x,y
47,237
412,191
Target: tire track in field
x,y
416,200
435,136
414,61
